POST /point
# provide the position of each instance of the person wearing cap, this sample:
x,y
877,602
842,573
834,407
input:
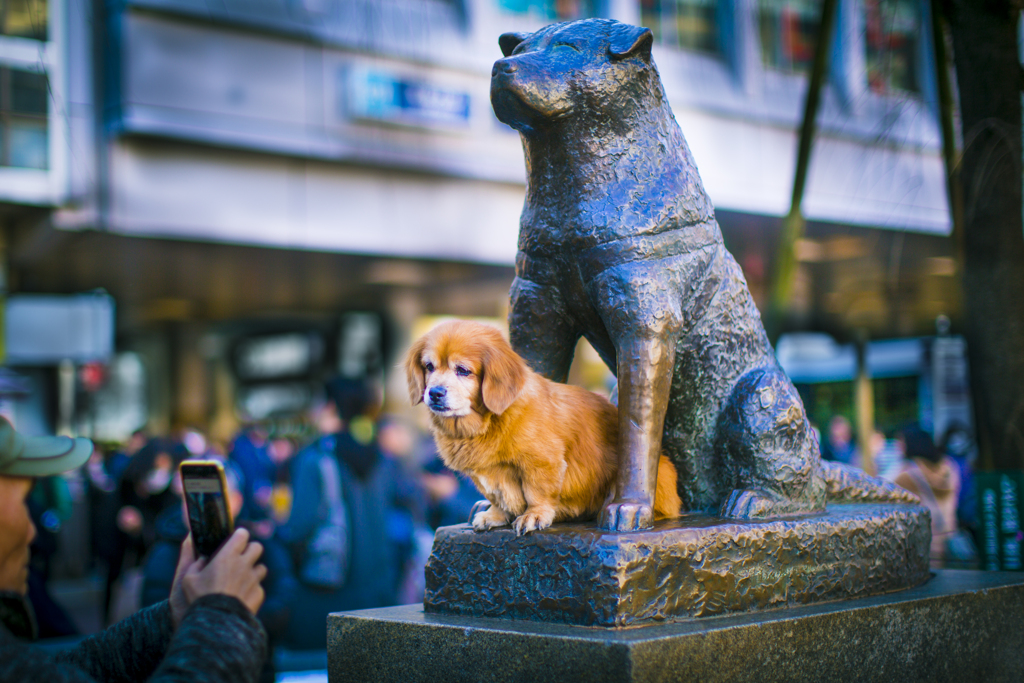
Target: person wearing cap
x,y
205,631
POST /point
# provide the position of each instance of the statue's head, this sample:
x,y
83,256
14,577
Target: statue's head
x,y
565,69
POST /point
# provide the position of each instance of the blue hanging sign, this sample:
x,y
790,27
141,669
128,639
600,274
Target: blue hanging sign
x,y
382,96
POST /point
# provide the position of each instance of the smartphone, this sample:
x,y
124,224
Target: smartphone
x,y
206,498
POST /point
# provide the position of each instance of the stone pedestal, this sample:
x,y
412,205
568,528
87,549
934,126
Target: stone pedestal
x,y
685,568
958,626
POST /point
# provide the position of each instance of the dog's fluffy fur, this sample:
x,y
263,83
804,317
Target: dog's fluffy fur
x,y
539,451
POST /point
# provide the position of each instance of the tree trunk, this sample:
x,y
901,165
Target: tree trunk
x,y
984,34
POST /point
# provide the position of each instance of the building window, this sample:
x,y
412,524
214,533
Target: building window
x,y
687,24
551,10
892,34
23,131
789,29
23,18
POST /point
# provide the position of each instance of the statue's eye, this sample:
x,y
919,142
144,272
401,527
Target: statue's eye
x,y
568,45
463,371
429,367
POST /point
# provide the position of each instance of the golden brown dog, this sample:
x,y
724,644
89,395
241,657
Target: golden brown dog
x,y
539,451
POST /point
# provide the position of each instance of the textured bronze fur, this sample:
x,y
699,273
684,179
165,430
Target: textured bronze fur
x,y
618,243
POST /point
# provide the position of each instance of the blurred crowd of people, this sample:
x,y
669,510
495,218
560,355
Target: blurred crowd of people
x,y
368,488
346,508
941,475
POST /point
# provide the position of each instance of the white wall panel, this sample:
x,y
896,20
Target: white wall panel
x,y
207,69
749,167
196,193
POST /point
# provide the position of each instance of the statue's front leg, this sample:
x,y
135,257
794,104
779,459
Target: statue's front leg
x,y
645,365
541,329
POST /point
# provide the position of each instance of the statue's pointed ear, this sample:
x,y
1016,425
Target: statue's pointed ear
x,y
509,41
631,40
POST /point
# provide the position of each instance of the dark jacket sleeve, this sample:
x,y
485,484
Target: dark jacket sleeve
x,y
218,641
130,650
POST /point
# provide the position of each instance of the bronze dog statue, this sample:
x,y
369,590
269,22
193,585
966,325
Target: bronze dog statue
x,y
618,243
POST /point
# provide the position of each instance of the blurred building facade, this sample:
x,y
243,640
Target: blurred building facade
x,y
270,190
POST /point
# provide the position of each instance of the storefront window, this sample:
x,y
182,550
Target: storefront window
x,y
23,130
688,24
23,18
789,30
892,30
551,10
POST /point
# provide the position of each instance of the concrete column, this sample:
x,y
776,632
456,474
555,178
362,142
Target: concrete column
x,y
405,306
191,398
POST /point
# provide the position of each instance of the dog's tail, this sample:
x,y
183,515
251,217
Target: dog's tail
x,y
848,484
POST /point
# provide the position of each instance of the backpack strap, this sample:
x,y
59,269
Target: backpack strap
x,y
330,482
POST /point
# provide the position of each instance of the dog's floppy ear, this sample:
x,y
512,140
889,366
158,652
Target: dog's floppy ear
x,y
628,41
504,376
509,41
414,371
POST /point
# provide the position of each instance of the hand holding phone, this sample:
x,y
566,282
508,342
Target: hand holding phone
x,y
235,570
206,499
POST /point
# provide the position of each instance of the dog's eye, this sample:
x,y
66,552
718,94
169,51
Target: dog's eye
x,y
463,371
429,367
568,45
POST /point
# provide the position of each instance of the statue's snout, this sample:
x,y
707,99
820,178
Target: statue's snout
x,y
504,66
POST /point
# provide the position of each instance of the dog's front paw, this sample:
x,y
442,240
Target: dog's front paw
x,y
626,515
533,520
478,507
490,518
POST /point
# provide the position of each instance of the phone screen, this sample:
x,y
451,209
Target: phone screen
x,y
206,500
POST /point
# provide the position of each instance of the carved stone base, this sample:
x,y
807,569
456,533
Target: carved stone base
x,y
959,626
691,567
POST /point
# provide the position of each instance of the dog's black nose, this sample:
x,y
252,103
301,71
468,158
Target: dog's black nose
x,y
436,393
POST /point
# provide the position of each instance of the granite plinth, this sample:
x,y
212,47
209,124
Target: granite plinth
x,y
960,626
691,567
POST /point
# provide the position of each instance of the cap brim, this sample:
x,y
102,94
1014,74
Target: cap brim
x,y
43,456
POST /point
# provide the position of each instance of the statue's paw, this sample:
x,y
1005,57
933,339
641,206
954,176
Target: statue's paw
x,y
490,518
626,515
750,504
532,520
479,506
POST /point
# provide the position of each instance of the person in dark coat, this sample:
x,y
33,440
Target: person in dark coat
x,y
372,487
109,541
278,585
205,632
250,451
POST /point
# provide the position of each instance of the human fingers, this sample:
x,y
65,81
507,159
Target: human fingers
x,y
188,553
185,559
197,566
236,543
252,553
247,587
179,598
254,599
192,584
